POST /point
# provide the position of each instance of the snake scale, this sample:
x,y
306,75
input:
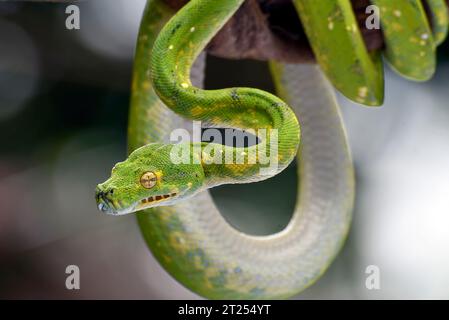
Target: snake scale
x,y
180,223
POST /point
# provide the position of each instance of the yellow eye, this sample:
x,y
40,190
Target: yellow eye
x,y
148,180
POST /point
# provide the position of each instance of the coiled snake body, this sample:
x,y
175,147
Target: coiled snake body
x,y
180,222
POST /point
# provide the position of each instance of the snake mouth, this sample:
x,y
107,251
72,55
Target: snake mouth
x,y
109,207
154,200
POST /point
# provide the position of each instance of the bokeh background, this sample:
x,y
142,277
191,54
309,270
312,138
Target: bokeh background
x,y
63,114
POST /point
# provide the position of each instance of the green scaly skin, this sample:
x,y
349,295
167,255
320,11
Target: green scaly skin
x,y
410,45
337,42
190,238
440,19
174,52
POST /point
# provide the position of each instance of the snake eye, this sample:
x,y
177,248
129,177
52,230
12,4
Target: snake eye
x,y
148,180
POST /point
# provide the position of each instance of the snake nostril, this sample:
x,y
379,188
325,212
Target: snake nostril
x,y
101,194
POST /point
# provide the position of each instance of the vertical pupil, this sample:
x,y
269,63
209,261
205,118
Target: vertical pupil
x,y
148,179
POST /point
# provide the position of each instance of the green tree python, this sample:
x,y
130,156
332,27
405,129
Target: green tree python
x,y
179,221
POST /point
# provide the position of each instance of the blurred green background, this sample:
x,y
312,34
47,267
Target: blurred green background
x,y
63,115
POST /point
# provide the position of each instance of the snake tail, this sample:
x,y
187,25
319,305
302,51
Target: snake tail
x,y
410,45
339,48
440,19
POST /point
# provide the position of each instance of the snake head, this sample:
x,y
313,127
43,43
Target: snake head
x,y
148,179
